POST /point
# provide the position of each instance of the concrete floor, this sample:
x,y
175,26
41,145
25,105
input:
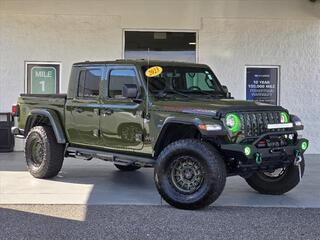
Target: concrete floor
x,y
100,183
157,222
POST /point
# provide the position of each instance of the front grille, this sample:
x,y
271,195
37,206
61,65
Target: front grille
x,y
254,124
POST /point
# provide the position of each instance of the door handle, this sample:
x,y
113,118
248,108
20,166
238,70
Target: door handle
x,y
78,110
108,111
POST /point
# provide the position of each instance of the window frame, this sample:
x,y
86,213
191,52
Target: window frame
x,y
110,68
207,68
86,69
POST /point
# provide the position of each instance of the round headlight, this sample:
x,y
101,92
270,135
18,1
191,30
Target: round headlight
x,y
284,117
233,122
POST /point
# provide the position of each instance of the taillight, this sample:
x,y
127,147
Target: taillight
x,y
15,110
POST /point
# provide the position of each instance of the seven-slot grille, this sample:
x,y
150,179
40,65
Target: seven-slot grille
x,y
254,124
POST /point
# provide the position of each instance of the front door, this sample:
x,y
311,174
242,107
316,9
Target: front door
x,y
121,121
82,115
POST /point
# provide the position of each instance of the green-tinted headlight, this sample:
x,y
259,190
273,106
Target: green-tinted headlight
x,y
304,146
233,122
284,117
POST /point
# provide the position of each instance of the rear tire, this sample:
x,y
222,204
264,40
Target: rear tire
x,y
263,183
190,174
128,168
44,155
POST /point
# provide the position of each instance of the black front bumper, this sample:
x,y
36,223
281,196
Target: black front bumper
x,y
263,158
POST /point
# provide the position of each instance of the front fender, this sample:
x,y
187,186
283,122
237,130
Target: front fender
x,y
162,123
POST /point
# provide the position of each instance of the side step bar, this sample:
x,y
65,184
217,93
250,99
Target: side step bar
x,y
121,159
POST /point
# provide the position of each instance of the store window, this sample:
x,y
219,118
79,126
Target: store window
x,y
178,46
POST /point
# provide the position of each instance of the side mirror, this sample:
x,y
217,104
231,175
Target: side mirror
x,y
226,91
129,91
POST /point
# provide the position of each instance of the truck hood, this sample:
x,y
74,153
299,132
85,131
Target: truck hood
x,y
212,107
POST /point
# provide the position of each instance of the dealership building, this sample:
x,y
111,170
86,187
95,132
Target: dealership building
x,y
238,39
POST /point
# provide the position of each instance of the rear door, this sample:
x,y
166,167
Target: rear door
x,y
121,121
82,117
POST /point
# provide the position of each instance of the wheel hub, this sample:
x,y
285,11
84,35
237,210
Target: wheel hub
x,y
186,174
37,152
276,173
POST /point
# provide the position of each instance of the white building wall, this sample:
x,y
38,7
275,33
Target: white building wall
x,y
229,44
232,33
62,38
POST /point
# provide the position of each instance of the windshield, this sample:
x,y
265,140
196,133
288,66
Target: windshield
x,y
184,79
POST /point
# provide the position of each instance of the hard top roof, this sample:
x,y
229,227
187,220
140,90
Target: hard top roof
x,y
140,62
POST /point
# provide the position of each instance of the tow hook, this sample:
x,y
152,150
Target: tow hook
x,y
297,162
258,158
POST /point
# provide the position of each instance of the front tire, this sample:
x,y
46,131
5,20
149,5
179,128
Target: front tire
x,y
44,155
190,174
265,183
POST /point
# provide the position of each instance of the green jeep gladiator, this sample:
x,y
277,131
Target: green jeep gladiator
x,y
175,117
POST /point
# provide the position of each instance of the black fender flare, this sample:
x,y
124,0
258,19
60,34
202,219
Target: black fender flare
x,y
165,126
54,121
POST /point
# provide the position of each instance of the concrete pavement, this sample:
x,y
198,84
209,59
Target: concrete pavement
x,y
158,222
97,182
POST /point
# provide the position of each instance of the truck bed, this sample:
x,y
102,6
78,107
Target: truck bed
x,y
28,102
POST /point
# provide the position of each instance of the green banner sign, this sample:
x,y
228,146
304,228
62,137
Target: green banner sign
x,y
43,80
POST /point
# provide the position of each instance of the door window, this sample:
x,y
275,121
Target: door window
x,y
89,81
118,78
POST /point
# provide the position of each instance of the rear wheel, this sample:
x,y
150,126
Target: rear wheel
x,y
190,174
277,182
127,168
44,155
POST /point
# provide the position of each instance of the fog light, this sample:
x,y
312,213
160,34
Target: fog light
x,y
304,146
247,151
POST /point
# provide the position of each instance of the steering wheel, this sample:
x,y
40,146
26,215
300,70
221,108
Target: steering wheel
x,y
194,87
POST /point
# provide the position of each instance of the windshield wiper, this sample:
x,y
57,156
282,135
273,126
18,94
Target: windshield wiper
x,y
163,93
180,93
205,93
215,95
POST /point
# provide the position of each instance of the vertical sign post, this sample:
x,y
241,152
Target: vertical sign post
x,y
262,84
42,77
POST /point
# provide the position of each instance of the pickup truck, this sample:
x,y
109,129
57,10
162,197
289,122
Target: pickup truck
x,y
173,116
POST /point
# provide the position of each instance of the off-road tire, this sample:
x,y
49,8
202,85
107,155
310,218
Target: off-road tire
x,y
283,184
213,169
52,156
128,168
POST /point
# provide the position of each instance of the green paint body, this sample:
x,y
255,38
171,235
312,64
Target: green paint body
x,y
135,125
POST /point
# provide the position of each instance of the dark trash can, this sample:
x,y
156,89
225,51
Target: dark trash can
x,y
6,137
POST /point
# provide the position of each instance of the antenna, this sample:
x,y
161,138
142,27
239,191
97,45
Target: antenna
x,y
147,107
